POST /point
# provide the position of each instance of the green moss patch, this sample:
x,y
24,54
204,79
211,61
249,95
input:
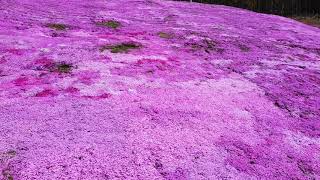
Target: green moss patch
x,y
209,45
61,67
11,153
58,27
206,45
110,24
120,48
64,68
165,35
244,48
7,174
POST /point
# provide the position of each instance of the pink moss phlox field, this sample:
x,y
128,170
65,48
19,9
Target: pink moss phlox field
x,y
152,89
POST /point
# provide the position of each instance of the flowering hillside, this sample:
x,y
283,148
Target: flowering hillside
x,y
154,89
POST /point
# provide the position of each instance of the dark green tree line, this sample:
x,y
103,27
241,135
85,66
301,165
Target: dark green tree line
x,y
281,7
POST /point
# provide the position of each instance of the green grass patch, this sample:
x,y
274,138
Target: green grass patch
x,y
120,48
244,48
165,35
110,24
61,67
7,174
64,68
11,153
58,27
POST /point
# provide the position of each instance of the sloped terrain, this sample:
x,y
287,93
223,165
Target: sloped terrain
x,y
151,89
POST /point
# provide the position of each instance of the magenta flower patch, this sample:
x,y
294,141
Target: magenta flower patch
x,y
151,89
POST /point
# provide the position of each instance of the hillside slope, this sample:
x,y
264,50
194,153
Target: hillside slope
x,y
151,89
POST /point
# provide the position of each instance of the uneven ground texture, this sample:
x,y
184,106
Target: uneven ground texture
x,y
151,89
